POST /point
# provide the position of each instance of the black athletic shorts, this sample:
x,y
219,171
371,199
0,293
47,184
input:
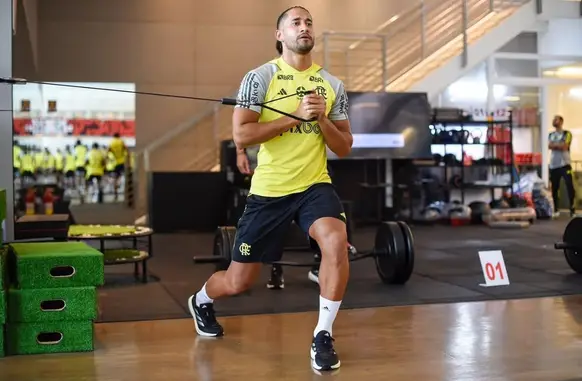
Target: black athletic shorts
x,y
119,169
264,224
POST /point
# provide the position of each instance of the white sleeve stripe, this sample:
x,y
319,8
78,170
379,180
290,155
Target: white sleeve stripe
x,y
247,89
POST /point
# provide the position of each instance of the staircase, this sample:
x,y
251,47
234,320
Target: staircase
x,y
401,52
404,52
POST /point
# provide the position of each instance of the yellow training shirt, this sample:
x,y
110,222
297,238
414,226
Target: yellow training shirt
x,y
96,163
27,164
80,155
59,162
16,155
70,164
297,159
117,147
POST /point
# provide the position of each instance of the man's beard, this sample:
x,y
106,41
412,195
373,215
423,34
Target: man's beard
x,y
302,48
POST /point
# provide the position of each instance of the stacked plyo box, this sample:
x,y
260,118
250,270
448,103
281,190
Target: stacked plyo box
x,y
52,297
2,270
2,297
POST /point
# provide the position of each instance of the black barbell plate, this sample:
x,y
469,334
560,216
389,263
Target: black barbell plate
x,y
572,237
216,248
394,259
401,273
384,247
223,247
410,254
231,232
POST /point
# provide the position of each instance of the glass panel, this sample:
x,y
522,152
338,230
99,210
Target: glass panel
x,y
524,101
506,67
60,132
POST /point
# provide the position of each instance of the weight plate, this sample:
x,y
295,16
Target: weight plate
x,y
223,244
231,230
401,273
410,255
383,247
573,236
391,258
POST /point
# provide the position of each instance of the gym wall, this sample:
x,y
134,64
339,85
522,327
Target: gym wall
x,y
187,47
25,37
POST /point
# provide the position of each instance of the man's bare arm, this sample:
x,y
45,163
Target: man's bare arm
x,y
558,146
247,131
562,146
337,135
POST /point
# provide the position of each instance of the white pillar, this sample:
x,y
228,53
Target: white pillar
x,y
544,131
490,75
6,175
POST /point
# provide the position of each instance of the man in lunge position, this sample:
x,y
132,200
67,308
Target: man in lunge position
x,y
291,181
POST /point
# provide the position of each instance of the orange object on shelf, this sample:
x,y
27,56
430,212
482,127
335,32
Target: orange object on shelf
x,y
48,200
30,201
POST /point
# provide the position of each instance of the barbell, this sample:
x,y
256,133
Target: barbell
x,y
393,252
571,244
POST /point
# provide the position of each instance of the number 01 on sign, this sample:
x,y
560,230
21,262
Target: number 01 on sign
x,y
494,269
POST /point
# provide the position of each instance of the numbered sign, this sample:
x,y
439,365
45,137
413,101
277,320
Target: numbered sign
x,y
494,269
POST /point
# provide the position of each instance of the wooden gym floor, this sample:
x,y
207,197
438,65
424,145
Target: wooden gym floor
x,y
530,340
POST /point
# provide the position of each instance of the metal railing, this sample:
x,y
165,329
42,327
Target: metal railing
x,y
364,61
372,61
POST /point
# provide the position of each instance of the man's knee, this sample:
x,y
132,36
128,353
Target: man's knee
x,y
241,276
332,240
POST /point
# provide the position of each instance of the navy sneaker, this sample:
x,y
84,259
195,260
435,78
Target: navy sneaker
x,y
204,318
276,282
323,356
313,275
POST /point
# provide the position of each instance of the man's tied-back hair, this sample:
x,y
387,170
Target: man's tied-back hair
x,y
279,44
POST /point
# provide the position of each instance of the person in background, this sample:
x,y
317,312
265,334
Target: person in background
x,y
561,164
27,167
80,161
108,179
95,171
119,150
70,167
16,158
50,162
39,160
111,162
59,165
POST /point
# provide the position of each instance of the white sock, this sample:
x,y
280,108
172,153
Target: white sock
x,y
202,297
327,312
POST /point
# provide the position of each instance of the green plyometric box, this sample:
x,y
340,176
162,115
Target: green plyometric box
x,y
54,265
52,304
3,269
2,351
2,307
2,206
49,337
